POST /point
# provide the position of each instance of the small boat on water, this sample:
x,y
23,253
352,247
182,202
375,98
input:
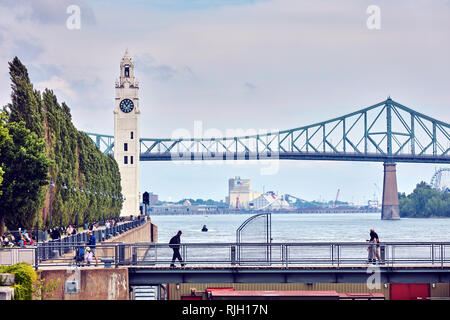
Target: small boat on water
x,y
204,229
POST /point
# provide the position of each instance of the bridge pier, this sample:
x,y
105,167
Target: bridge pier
x,y
390,208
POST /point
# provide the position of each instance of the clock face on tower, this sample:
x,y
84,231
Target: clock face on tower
x,y
126,105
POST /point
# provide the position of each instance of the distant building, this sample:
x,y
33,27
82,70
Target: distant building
x,y
240,193
270,201
187,208
153,198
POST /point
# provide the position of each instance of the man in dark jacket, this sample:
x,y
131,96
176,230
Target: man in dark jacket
x,y
91,244
55,234
374,239
174,243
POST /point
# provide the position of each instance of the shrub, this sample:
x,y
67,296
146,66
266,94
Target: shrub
x,y
24,278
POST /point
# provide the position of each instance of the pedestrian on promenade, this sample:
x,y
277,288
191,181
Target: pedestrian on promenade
x,y
174,243
373,248
88,256
91,244
69,230
55,234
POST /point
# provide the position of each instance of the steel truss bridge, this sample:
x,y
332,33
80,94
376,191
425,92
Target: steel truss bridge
x,y
384,132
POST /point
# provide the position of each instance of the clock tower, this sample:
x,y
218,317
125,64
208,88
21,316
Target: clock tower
x,y
127,134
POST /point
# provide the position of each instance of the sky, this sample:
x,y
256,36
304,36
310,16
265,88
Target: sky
x,y
238,64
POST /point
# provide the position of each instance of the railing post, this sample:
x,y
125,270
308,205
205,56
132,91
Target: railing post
x,y
442,255
45,251
36,257
393,255
233,255
338,255
286,255
116,254
332,254
432,253
134,256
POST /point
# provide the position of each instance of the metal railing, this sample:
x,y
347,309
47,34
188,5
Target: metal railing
x,y
53,252
284,255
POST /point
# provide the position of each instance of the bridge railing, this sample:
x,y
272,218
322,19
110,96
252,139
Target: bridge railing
x,y
283,255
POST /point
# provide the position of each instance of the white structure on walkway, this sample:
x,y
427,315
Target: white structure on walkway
x,y
127,134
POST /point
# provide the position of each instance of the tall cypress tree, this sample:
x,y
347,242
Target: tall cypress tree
x,y
25,164
67,156
24,104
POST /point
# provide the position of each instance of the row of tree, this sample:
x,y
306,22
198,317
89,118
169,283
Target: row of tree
x,y
424,202
46,162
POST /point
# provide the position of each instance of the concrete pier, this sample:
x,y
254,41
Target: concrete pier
x,y
390,209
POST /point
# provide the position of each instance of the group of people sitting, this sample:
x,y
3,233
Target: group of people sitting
x,y
22,238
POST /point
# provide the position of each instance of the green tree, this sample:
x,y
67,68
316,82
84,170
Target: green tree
x,y
25,166
424,201
25,102
72,162
5,140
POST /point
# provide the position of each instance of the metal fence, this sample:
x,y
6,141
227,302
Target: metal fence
x,y
283,255
55,252
256,229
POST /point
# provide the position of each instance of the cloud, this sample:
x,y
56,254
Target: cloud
x,y
148,66
48,11
183,5
250,86
60,86
29,49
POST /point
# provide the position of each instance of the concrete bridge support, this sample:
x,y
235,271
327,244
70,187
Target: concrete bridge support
x,y
390,209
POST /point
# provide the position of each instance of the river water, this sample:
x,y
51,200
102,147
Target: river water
x,y
314,227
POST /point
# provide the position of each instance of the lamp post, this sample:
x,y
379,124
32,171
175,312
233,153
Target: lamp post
x,y
50,205
84,213
37,230
60,218
70,218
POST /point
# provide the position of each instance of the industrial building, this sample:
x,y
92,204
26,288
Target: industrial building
x,y
240,193
153,198
270,201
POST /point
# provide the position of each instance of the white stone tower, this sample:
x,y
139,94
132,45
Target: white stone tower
x,y
127,134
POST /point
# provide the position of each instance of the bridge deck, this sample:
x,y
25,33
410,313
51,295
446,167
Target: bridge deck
x,y
408,273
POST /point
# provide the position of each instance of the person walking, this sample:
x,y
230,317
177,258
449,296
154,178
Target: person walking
x,y
91,244
174,243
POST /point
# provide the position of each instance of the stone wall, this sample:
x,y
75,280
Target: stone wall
x,y
138,235
93,283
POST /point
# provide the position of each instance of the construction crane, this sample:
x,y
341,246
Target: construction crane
x,y
337,196
239,194
374,203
